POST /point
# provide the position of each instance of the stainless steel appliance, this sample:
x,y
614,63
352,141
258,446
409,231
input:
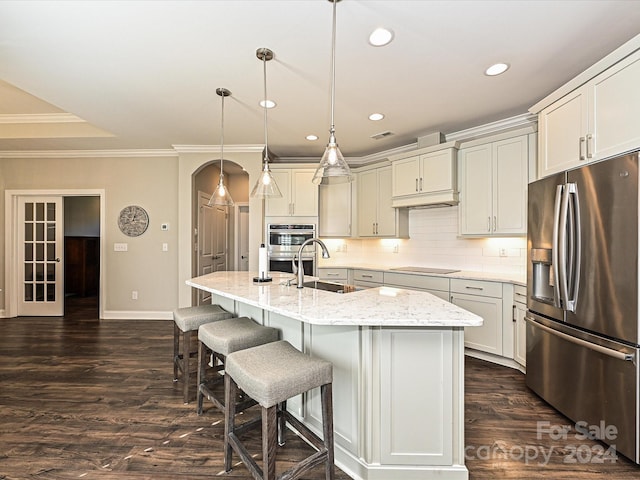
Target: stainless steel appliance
x,y
284,243
582,280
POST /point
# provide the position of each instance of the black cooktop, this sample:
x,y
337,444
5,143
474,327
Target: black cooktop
x,y
424,270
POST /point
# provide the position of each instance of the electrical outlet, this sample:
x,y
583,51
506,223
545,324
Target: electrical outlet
x,y
503,252
134,294
395,248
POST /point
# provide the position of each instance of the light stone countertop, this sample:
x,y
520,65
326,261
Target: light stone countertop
x,y
382,306
463,274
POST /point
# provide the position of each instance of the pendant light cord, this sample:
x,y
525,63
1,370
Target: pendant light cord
x,y
333,68
266,138
222,141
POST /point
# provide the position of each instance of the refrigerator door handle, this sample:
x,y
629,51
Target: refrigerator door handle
x,y
610,352
555,254
576,241
563,253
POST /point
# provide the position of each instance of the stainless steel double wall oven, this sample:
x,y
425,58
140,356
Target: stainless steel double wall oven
x,y
284,243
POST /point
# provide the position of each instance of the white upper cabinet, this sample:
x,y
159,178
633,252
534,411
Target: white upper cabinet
x,y
376,216
596,121
493,188
334,218
425,177
299,194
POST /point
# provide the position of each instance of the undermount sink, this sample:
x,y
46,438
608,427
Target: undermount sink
x,y
329,286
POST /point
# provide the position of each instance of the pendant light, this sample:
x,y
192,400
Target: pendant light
x,y
221,196
266,186
332,164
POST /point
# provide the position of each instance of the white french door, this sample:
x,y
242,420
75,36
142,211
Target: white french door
x,y
40,250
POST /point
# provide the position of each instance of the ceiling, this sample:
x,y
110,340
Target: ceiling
x,y
98,75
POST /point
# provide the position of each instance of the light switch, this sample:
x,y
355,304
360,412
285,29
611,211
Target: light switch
x,y
120,247
165,247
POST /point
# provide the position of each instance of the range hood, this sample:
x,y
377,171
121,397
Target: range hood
x,y
426,177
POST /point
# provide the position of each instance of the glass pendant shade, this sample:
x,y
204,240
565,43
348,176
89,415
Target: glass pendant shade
x,y
266,186
332,164
221,196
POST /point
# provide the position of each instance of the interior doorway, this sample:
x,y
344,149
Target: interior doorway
x,y
81,253
52,252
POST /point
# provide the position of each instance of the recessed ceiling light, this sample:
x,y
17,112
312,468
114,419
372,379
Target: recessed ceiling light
x,y
270,104
380,37
311,138
376,116
496,69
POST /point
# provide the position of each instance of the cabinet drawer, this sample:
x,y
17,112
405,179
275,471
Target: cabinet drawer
x,y
368,275
476,287
333,273
416,281
520,294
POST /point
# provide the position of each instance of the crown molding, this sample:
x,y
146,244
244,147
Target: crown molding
x,y
88,153
511,123
216,148
19,118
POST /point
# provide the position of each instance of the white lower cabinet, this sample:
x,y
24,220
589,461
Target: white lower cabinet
x,y
484,299
333,274
438,286
519,313
368,278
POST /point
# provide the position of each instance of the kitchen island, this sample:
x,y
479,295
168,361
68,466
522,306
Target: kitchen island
x,y
398,359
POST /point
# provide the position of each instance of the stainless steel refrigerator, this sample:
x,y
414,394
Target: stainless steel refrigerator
x,y
582,284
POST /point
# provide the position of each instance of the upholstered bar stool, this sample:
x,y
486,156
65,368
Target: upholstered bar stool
x,y
271,374
186,323
221,339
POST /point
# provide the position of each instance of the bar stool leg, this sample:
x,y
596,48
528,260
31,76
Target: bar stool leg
x,y
176,352
230,389
202,367
282,423
327,426
269,442
186,344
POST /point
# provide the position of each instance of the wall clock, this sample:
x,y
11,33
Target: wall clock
x,y
133,220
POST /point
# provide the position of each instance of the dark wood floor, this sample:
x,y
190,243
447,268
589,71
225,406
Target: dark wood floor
x,y
83,398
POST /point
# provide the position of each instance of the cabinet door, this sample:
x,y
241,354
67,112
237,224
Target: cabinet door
x,y
475,190
436,171
386,222
334,217
561,127
488,337
280,206
367,202
510,186
520,354
616,106
304,194
406,175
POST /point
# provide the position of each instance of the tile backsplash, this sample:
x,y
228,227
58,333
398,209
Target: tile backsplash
x,y
433,242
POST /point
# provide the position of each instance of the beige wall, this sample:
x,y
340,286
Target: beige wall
x,y
150,182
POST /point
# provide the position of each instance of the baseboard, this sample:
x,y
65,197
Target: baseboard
x,y
2,313
136,315
505,362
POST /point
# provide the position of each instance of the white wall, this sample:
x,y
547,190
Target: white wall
x,y
433,242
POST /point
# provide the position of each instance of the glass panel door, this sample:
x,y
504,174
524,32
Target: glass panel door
x,y
41,241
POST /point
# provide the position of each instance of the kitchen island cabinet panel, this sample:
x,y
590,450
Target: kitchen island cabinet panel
x,y
409,399
341,346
